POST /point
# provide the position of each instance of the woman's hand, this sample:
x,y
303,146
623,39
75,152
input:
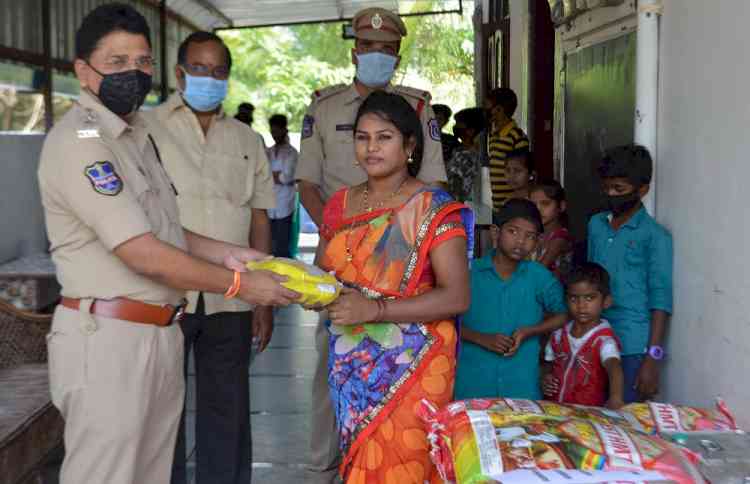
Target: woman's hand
x,y
351,307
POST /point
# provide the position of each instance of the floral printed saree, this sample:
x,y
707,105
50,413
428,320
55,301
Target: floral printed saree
x,y
380,371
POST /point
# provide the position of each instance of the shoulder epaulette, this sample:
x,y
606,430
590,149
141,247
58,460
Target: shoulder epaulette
x,y
417,93
328,91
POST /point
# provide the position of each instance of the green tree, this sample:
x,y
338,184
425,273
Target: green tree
x,y
278,68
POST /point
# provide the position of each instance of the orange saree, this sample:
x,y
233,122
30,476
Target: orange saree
x,y
380,371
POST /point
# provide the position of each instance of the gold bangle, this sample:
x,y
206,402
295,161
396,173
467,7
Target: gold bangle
x,y
379,314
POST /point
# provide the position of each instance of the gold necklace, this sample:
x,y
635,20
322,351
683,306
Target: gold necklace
x,y
365,205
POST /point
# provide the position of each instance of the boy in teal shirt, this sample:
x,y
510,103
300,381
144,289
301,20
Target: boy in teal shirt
x,y
510,297
637,252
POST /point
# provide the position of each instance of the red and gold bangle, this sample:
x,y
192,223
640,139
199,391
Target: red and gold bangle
x,y
234,289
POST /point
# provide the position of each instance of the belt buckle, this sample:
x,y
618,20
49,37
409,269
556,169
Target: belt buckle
x,y
179,311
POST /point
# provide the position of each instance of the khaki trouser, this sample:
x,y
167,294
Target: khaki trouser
x,y
324,437
120,388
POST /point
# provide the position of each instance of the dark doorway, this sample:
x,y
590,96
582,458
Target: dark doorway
x,y
543,87
599,107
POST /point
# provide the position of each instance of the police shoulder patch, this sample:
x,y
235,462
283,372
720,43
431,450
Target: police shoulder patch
x,y
434,129
104,178
329,91
308,124
410,91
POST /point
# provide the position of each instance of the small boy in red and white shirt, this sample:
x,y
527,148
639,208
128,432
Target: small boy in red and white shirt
x,y
583,358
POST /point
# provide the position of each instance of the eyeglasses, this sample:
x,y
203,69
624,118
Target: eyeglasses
x,y
122,62
218,72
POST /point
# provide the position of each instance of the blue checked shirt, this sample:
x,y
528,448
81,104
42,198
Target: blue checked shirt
x,y
638,258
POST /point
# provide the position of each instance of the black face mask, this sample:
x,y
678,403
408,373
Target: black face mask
x,y
620,204
124,92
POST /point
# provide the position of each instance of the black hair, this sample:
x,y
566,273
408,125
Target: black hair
x,y
473,118
200,37
518,208
245,107
526,156
442,109
105,19
554,191
591,273
396,110
506,98
628,161
278,120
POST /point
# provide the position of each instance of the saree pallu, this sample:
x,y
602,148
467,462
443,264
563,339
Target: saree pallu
x,y
378,372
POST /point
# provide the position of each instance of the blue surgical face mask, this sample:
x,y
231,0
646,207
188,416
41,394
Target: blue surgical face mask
x,y
204,93
375,69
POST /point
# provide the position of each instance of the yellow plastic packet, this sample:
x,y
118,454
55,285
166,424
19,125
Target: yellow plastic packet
x,y
316,286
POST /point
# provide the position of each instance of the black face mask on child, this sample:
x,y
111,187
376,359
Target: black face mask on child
x,y
620,204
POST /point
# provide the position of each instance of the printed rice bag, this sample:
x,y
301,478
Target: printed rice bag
x,y
650,417
471,446
316,286
664,418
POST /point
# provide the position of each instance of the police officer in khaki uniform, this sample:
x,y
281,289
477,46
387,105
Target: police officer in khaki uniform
x,y
222,175
326,164
124,261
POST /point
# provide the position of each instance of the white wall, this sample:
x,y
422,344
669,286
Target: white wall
x,y
703,198
21,217
519,58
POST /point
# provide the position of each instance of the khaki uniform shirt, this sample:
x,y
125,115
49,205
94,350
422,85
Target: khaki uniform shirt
x,y
327,148
220,177
101,185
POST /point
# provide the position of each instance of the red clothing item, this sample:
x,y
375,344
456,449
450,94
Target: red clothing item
x,y
582,376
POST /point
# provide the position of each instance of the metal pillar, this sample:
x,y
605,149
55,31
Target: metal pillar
x,y
163,50
647,85
49,115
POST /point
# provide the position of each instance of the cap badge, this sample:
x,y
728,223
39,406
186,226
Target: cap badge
x,y
377,21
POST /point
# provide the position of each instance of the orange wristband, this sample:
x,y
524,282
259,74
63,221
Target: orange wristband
x,y
234,289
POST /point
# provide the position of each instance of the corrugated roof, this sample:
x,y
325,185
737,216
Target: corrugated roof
x,y
212,14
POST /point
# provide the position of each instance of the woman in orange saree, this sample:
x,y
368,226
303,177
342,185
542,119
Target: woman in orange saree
x,y
400,248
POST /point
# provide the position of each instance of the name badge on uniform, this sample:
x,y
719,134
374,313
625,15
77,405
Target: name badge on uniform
x,y
88,133
344,127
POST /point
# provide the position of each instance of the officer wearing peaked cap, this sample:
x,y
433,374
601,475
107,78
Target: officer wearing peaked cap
x,y
327,163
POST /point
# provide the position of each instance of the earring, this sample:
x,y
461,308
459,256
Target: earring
x,y
356,163
410,160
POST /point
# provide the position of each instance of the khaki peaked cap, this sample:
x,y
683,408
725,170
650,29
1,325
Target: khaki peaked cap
x,y
378,24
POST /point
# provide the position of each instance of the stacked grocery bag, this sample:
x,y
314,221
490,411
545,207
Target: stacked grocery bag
x,y
524,441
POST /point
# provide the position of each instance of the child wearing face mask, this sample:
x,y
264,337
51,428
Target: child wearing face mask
x,y
637,253
513,302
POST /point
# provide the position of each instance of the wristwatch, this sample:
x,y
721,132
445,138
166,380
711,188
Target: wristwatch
x,y
655,352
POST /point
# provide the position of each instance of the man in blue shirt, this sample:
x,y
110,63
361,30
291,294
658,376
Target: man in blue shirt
x,y
637,252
